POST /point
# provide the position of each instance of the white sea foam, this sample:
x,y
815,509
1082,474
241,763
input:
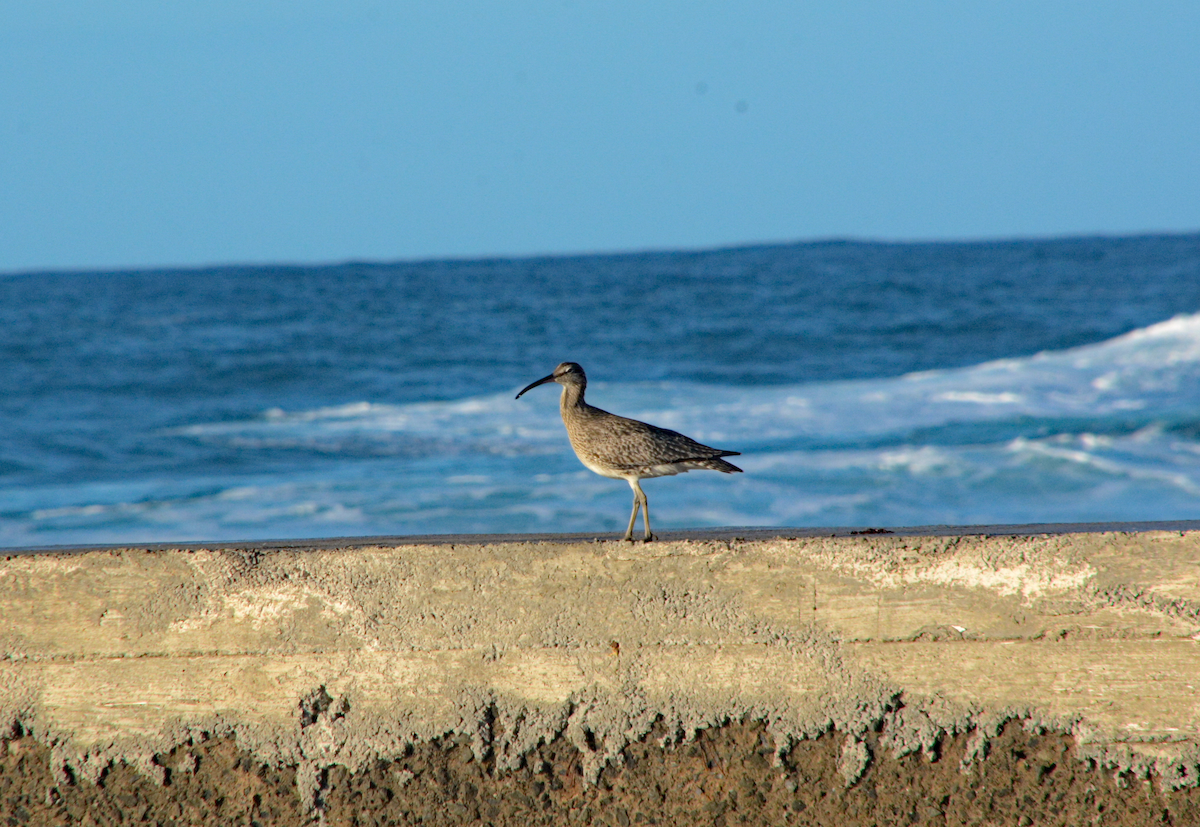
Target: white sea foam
x,y
1155,369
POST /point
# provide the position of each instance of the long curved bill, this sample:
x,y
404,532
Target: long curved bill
x,y
533,385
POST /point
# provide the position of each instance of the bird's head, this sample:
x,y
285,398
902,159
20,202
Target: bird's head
x,y
566,374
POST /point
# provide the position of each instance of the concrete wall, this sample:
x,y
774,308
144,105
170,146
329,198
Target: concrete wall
x,y
317,657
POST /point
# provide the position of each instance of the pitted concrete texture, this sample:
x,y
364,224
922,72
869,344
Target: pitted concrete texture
x,y
317,658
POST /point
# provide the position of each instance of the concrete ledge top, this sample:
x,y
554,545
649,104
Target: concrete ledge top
x,y
694,534
345,650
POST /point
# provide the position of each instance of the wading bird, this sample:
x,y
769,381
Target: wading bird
x,y
627,449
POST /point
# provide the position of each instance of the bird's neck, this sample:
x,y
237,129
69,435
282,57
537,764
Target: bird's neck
x,y
572,398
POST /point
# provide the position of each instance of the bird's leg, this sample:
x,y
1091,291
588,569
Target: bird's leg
x,y
632,517
640,496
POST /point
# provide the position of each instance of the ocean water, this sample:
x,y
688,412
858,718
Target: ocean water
x,y
865,384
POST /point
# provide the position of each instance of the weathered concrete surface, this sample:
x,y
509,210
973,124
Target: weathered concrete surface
x,y
341,656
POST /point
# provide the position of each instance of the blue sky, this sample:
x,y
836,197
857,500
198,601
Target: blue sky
x,y
147,133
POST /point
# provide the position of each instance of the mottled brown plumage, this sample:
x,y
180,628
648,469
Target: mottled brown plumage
x,y
622,448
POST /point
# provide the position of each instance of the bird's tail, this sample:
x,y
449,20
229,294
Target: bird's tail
x,y
718,464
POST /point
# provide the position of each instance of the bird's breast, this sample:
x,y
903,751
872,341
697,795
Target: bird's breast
x,y
600,468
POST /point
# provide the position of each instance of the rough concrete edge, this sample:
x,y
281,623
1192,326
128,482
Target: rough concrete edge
x,y
600,727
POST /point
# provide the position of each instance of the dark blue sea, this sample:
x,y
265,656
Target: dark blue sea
x,y
864,383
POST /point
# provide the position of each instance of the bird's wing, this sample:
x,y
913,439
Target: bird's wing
x,y
628,443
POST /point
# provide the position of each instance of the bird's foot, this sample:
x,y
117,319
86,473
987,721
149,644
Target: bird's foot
x,y
628,537
650,538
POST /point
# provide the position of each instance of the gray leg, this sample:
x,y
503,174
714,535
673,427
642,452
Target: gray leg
x,y
640,496
632,517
